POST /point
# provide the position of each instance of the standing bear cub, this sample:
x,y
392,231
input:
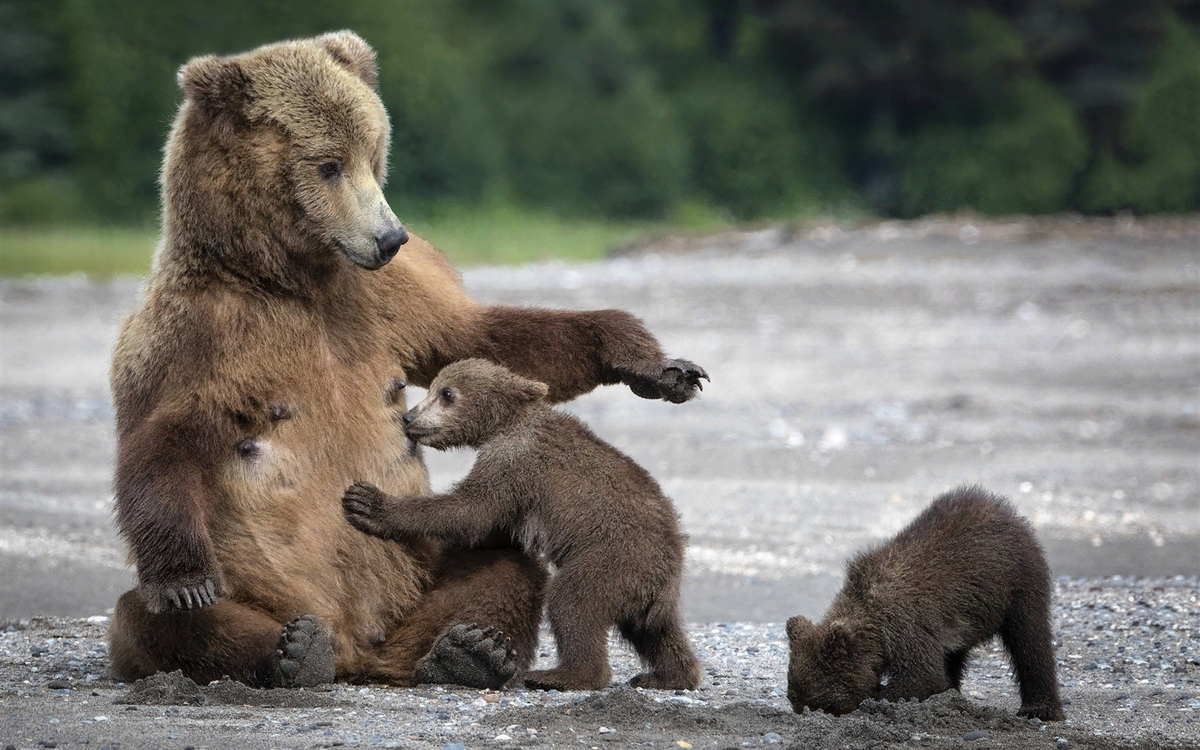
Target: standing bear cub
x,y
546,480
966,569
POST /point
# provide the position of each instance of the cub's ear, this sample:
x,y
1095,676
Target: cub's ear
x,y
353,53
798,626
217,84
840,641
529,390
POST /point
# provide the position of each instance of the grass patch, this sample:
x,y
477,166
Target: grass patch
x,y
498,235
96,251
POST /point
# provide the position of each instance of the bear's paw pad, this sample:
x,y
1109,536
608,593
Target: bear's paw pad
x,y
470,656
305,655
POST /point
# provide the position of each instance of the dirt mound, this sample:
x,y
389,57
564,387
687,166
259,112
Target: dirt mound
x,y
173,689
944,721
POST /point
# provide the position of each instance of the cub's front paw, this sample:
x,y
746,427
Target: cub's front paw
x,y
363,507
674,380
182,595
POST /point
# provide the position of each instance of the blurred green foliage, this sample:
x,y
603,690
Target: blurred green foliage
x,y
644,109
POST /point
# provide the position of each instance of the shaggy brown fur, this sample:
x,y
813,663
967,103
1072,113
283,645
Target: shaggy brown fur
x,y
964,570
262,373
545,479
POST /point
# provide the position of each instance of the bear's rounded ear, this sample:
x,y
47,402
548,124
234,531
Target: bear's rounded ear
x,y
839,640
798,626
353,53
533,390
216,83
525,388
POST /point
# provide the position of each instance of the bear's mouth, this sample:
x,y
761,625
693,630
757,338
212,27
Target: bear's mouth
x,y
417,434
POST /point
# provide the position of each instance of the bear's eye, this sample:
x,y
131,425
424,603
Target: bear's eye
x,y
448,395
330,170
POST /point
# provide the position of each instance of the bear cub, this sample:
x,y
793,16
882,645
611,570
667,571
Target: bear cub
x,y
543,479
965,569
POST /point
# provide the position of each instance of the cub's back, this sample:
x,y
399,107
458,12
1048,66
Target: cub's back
x,y
967,543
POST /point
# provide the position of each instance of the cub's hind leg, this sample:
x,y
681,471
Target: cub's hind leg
x,y
659,639
580,619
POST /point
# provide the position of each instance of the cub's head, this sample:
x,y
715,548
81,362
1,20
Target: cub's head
x,y
278,158
469,401
832,667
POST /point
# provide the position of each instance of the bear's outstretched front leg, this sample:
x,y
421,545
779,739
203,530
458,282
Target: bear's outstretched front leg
x,y
570,351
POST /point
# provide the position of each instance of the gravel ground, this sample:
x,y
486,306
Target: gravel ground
x,y
856,374
1129,663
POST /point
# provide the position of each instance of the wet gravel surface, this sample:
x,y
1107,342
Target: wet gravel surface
x,y
1128,655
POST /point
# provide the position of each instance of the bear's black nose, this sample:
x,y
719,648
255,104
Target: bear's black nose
x,y
390,243
409,416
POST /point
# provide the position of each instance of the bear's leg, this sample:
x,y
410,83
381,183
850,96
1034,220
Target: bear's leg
x,y
225,639
475,627
580,620
662,644
917,663
956,661
1030,643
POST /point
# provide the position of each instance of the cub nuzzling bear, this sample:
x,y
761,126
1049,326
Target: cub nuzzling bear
x,y
965,569
546,480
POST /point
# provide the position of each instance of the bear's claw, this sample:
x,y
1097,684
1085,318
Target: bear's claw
x,y
470,656
305,655
191,595
674,380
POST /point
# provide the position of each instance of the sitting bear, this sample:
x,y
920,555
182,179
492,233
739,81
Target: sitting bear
x,y
284,278
964,570
546,480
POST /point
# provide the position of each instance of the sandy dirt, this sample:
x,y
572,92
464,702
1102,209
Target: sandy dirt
x,y
856,374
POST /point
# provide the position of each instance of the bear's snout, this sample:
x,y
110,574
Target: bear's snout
x,y
389,244
409,416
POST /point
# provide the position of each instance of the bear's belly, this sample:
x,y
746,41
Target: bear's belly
x,y
281,537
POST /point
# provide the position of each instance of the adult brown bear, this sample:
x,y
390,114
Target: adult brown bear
x,y
264,372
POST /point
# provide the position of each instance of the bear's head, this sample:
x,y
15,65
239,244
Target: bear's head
x,y
832,666
468,402
277,161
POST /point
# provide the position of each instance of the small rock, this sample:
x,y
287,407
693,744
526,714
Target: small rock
x,y
454,746
58,685
606,730
772,738
502,738
978,734
1061,742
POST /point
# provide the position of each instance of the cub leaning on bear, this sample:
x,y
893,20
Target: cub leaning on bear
x,y
965,569
543,478
284,279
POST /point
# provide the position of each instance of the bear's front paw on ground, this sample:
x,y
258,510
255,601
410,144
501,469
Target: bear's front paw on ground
x,y
305,655
470,656
363,505
188,594
674,380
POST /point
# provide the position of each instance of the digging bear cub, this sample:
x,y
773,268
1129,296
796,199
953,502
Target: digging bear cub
x,y
544,478
911,610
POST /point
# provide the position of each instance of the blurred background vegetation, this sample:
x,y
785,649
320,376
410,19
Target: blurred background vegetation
x,y
536,128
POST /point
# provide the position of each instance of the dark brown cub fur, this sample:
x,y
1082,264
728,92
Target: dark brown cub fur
x,y
545,479
966,569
